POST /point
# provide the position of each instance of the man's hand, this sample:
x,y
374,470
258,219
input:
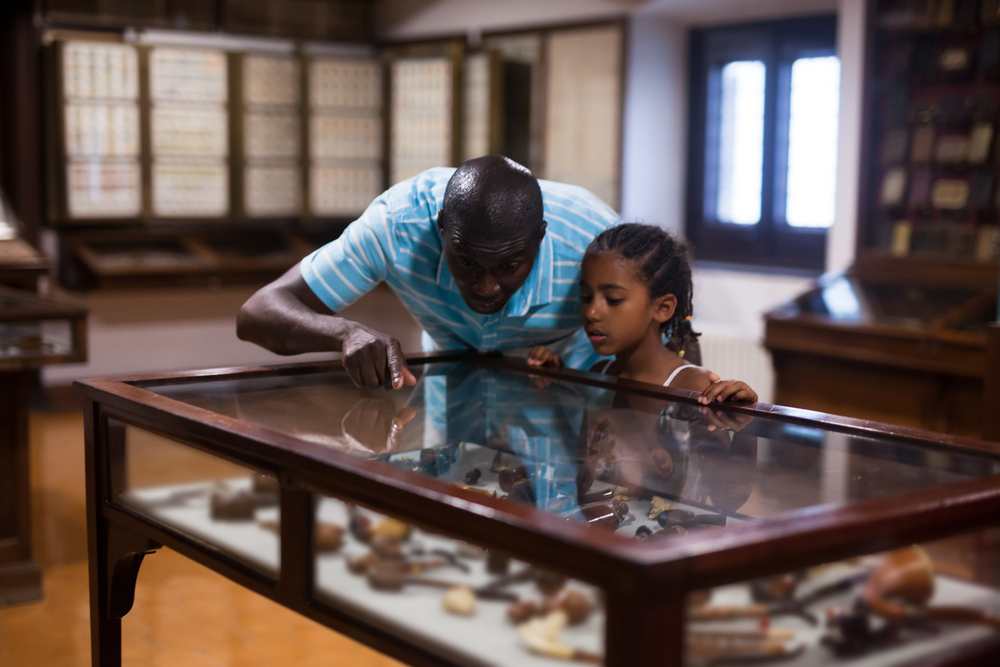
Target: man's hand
x,y
542,356
723,390
374,425
373,360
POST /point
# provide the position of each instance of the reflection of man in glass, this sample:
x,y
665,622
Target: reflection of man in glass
x,y
485,258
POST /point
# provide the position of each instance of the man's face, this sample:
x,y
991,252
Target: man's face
x,y
488,272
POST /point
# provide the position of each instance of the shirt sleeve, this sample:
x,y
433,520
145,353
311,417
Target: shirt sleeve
x,y
576,351
345,269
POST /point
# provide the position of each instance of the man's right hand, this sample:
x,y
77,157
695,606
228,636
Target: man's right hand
x,y
373,359
287,317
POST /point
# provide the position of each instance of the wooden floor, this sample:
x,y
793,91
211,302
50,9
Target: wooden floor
x,y
184,614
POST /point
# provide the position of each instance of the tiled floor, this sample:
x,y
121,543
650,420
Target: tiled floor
x,y
184,614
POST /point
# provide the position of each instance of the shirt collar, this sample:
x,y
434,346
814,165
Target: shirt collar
x,y
535,292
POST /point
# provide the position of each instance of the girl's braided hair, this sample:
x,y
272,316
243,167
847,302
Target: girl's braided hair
x,y
663,263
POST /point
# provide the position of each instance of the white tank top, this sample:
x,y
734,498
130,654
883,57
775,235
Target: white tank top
x,y
669,379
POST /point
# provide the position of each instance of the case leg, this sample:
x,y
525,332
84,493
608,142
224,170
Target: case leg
x,y
114,554
645,631
113,579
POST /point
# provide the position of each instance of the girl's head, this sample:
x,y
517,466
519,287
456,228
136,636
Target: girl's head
x,y
636,283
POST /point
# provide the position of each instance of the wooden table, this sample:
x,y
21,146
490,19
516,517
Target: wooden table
x,y
167,454
26,344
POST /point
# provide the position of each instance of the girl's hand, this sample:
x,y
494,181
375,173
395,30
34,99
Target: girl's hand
x,y
542,356
722,390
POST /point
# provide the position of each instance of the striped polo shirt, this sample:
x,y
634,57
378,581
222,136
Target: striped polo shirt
x,y
397,241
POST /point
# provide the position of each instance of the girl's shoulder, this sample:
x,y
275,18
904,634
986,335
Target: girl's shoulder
x,y
694,378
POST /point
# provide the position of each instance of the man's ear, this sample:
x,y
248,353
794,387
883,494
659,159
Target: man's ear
x,y
541,230
666,306
441,225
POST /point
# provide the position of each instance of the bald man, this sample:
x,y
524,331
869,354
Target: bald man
x,y
485,257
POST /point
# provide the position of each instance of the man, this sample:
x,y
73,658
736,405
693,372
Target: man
x,y
485,257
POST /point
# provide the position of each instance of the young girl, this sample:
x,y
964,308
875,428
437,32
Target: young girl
x,y
636,290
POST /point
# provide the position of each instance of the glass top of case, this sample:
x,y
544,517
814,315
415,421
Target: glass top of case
x,y
850,299
630,463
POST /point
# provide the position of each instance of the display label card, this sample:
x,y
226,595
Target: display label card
x,y
341,192
988,243
901,238
101,130
100,189
345,82
272,191
893,187
190,189
271,135
345,137
950,194
190,131
188,75
97,70
980,142
270,80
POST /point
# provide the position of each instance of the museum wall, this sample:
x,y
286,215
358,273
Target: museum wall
x,y
175,329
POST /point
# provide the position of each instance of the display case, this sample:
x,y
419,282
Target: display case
x,y
34,332
499,514
905,350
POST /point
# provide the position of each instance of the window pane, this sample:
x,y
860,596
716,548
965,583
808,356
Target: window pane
x,y
812,142
741,142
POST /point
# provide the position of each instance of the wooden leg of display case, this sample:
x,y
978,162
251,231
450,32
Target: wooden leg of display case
x,y
991,394
645,631
114,554
20,577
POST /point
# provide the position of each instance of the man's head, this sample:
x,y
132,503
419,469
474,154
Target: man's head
x,y
491,225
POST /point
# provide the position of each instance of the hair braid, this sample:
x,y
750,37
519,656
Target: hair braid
x,y
663,262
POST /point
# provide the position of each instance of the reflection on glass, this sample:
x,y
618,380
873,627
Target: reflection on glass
x,y
812,141
483,608
903,607
741,142
643,467
208,498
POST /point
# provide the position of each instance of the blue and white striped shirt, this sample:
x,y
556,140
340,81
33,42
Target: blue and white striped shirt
x,y
397,241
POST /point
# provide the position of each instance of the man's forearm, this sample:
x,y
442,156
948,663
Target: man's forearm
x,y
280,322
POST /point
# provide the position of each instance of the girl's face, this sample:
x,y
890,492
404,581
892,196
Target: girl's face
x,y
615,306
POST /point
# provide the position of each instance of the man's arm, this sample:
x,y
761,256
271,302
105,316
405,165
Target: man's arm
x,y
287,317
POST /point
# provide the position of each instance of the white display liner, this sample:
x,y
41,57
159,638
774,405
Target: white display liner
x,y
415,613
488,638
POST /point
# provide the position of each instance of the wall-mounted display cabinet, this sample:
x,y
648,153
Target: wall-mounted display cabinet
x,y
929,158
166,142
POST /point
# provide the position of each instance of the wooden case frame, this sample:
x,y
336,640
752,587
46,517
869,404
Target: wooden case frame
x,y
645,584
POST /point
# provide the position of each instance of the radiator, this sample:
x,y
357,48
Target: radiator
x,y
739,358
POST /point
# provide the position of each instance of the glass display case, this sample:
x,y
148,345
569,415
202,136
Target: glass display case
x,y
496,514
34,332
898,348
